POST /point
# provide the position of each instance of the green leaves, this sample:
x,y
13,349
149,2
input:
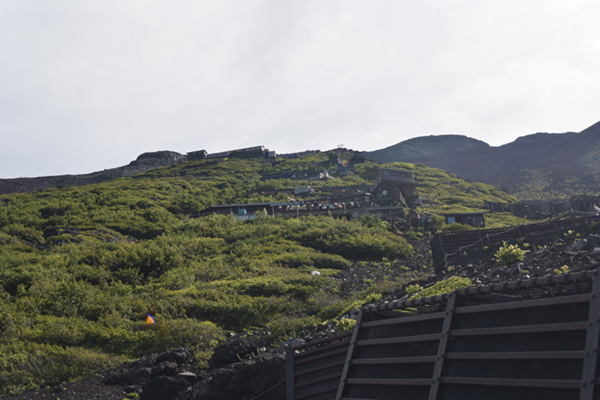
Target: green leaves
x,y
509,254
81,266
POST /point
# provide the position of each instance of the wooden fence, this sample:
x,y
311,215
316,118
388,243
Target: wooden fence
x,y
523,340
466,246
313,370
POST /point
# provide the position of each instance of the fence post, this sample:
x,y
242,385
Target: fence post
x,y
353,339
289,373
441,353
591,342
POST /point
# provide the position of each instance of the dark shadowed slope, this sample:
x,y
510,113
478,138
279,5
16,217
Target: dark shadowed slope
x,y
541,164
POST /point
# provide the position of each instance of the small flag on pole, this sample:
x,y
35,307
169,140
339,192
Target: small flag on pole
x,y
150,320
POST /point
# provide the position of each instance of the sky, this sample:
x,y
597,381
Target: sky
x,y
90,85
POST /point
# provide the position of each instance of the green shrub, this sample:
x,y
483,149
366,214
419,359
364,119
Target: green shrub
x,y
413,289
446,286
456,227
345,324
509,254
81,266
30,366
286,327
562,270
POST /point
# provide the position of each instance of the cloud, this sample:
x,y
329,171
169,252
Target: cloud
x,y
90,85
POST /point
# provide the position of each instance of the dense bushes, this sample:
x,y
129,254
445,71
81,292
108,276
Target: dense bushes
x,y
81,267
27,366
86,291
446,286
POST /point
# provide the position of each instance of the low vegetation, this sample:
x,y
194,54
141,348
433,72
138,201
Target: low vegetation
x,y
81,267
509,254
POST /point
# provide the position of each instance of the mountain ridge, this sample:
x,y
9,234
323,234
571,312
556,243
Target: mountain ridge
x,y
569,161
144,162
566,163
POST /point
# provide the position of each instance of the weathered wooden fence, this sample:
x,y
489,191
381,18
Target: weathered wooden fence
x,y
522,340
313,370
466,246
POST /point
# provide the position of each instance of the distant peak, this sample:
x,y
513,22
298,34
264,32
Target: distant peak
x,y
448,138
595,128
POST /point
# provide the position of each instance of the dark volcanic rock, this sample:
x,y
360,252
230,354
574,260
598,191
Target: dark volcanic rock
x,y
164,388
149,366
263,375
236,373
231,352
158,158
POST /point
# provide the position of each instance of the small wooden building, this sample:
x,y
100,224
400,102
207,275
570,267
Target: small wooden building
x,y
240,211
393,187
472,219
197,155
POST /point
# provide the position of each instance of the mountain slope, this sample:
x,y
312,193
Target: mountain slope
x,y
540,165
81,266
144,162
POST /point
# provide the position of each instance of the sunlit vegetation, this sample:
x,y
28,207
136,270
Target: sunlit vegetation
x,y
80,267
446,286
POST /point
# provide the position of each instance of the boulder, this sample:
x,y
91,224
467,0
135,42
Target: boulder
x,y
149,366
262,376
229,353
164,388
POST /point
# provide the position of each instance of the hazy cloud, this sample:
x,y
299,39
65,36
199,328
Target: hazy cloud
x,y
90,85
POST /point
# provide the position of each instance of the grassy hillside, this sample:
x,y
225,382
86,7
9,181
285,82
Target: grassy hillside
x,y
545,185
80,267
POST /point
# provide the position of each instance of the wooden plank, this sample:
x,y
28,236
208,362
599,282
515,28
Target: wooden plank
x,y
319,368
329,339
355,398
317,380
389,382
401,339
324,354
308,353
547,301
394,360
349,355
539,383
289,373
402,320
528,355
591,342
505,330
314,394
437,369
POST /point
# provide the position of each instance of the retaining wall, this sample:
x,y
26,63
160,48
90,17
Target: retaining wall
x,y
522,340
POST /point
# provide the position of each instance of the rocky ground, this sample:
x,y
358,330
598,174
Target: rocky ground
x,y
237,371
563,255
245,369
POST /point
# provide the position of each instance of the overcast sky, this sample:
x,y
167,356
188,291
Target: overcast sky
x,y
87,85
